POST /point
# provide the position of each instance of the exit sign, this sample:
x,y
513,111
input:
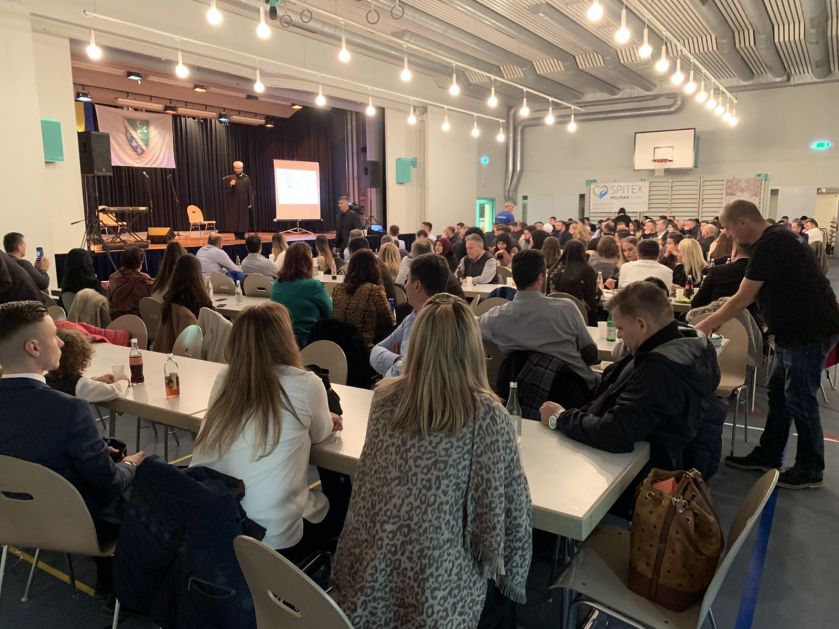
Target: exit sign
x,y
821,145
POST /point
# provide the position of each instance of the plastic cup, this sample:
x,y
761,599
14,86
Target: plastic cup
x,y
680,293
469,281
119,372
601,328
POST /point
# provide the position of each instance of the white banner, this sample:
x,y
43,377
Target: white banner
x,y
605,199
138,138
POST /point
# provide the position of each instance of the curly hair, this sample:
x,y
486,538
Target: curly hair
x,y
76,353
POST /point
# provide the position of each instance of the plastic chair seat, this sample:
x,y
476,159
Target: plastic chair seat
x,y
729,383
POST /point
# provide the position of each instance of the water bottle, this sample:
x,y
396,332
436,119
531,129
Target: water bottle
x,y
238,261
600,280
514,409
392,303
135,363
170,378
611,331
210,289
238,290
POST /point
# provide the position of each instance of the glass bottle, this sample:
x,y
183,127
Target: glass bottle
x,y
238,290
689,287
135,363
514,409
600,280
611,331
170,378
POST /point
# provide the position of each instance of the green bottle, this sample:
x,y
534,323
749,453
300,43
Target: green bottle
x,y
611,332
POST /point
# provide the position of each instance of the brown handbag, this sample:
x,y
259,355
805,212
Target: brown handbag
x,y
676,540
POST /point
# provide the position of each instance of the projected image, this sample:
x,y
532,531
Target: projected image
x,y
297,187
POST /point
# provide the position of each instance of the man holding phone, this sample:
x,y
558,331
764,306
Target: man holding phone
x,y
15,246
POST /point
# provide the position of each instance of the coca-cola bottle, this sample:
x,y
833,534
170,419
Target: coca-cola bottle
x,y
135,363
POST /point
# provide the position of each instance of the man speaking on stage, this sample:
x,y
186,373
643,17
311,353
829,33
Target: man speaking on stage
x,y
238,200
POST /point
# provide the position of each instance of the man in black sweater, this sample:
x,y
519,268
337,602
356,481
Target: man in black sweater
x,y
348,220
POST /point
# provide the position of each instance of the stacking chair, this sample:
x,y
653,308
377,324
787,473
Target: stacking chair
x,y
67,298
197,220
577,302
494,356
327,355
488,304
504,273
401,296
57,313
283,596
222,284
257,285
109,223
150,310
134,326
41,509
597,574
189,342
734,381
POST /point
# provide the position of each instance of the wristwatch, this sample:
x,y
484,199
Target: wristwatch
x,y
552,421
131,463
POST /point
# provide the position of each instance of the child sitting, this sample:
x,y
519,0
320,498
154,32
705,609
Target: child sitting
x,y
75,359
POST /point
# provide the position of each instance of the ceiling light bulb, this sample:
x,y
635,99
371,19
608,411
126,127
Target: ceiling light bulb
x,y
727,115
572,124
320,99
500,137
719,110
214,16
550,118
711,102
646,51
445,127
258,85
595,11
492,101
406,73
733,121
475,132
181,71
263,31
623,34
524,110
94,52
344,54
690,86
371,110
678,76
701,95
454,88
663,63
412,118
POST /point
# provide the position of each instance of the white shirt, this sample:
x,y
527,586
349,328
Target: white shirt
x,y
32,376
277,494
257,263
213,259
278,261
814,235
642,269
97,392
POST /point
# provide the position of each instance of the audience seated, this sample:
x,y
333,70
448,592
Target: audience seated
x,y
671,250
79,273
390,257
69,378
186,296
814,234
440,503
355,233
255,262
128,284
361,244
691,263
361,301
51,428
420,247
504,249
325,261
305,298
721,248
213,258
16,284
477,263
606,257
709,235
279,245
443,247
426,226
574,275
393,231
265,412
724,280
15,246
174,250
647,265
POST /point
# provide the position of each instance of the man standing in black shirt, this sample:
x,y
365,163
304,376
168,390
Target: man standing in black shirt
x,y
348,220
800,310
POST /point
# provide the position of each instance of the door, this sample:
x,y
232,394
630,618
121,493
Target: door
x,y
485,214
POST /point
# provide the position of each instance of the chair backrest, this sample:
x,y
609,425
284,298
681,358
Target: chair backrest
x,y
283,596
150,314
134,326
577,301
504,273
189,342
57,313
494,356
401,296
108,219
67,298
91,307
327,355
745,519
41,509
257,285
195,214
735,356
216,330
488,304
222,284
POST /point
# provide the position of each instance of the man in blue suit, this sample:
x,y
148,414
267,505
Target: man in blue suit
x,y
45,426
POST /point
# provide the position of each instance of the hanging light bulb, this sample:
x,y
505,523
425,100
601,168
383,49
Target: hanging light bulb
x,y
524,110
181,71
500,137
678,76
263,31
320,99
370,111
94,52
646,51
727,115
343,54
406,73
595,11
454,88
711,102
475,132
663,63
690,86
572,124
445,127
412,118
719,110
701,95
214,16
259,86
492,101
550,119
733,121
623,34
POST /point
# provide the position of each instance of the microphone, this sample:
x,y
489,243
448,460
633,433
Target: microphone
x,y
145,174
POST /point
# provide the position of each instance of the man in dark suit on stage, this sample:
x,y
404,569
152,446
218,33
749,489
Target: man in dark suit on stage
x,y
238,201
44,426
348,220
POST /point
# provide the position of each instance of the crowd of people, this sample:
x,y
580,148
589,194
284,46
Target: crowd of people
x,y
437,527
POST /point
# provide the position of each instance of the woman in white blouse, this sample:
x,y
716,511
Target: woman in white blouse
x,y
261,423
279,245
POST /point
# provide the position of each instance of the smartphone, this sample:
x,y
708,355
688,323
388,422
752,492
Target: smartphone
x,y
39,252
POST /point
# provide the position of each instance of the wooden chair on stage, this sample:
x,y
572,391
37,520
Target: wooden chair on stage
x,y
197,220
109,224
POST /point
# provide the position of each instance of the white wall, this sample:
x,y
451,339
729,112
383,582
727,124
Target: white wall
x,y
774,134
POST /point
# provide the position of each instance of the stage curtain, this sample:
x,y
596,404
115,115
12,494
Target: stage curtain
x,y
204,154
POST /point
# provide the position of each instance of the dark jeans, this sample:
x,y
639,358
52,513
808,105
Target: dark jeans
x,y
793,386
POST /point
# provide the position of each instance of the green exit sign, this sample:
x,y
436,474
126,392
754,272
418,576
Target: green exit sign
x,y
821,145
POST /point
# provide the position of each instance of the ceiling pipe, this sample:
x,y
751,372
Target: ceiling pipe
x,y
579,32
726,45
764,31
515,31
815,34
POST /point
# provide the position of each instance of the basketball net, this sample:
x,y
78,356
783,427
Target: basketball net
x,y
660,165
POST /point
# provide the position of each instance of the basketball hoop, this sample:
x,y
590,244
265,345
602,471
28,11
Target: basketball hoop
x,y
660,164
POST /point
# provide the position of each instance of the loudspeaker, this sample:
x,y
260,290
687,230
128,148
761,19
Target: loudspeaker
x,y
160,235
95,153
373,174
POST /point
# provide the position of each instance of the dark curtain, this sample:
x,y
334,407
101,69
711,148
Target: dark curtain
x,y
204,153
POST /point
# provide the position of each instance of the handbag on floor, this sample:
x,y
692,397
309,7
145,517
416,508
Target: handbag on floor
x,y
676,539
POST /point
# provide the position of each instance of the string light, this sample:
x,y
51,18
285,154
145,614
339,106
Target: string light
x,y
572,124
320,99
678,76
492,101
181,71
701,95
259,86
711,102
550,119
690,86
454,88
524,110
663,63
623,34
719,110
214,16
646,51
263,31
475,132
500,137
727,115
94,52
406,73
412,118
343,54
445,127
595,11
733,121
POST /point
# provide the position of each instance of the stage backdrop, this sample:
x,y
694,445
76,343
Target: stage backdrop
x,y
138,138
205,151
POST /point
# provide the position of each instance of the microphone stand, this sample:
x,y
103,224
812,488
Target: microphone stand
x,y
151,202
174,194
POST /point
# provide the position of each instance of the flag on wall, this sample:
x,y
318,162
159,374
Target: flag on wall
x,y
138,138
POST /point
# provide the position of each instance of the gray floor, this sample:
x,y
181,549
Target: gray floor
x,y
797,587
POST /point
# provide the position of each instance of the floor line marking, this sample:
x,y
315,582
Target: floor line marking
x,y
52,571
794,434
748,603
180,460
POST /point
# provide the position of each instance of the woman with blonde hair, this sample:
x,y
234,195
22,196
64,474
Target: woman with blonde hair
x,y
583,233
390,257
629,253
261,423
279,245
462,513
691,263
326,262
